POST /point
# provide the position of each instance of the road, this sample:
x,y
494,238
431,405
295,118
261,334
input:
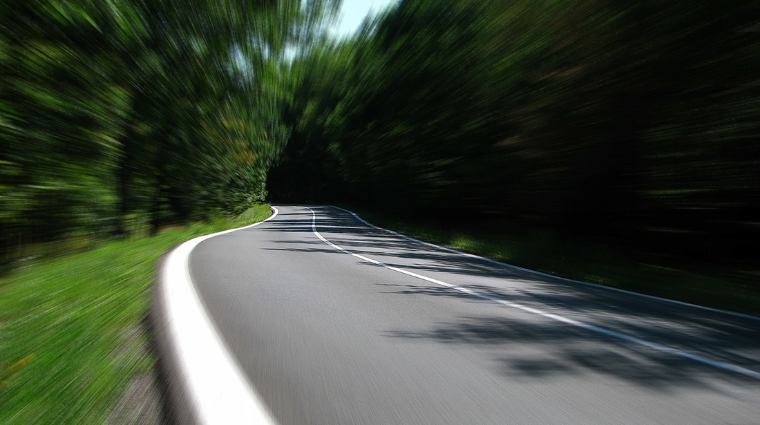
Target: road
x,y
336,322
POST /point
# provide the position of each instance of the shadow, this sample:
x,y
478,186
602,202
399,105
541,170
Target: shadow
x,y
537,349
160,371
556,349
344,230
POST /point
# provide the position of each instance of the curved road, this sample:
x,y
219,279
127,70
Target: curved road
x,y
336,322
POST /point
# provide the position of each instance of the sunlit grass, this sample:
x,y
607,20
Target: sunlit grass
x,y
71,328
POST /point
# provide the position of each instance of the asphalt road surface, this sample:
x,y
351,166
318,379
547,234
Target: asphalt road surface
x,y
367,327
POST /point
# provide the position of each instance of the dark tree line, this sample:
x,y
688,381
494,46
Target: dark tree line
x,y
632,122
636,122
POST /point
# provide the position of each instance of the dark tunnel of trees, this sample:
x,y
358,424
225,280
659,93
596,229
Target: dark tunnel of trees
x,y
631,122
636,123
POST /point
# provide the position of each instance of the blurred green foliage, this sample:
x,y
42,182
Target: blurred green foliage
x,y
73,333
119,111
635,123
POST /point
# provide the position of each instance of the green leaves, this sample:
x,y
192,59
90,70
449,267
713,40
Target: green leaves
x,y
167,109
544,113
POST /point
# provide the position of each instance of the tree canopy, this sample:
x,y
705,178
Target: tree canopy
x,y
124,112
631,121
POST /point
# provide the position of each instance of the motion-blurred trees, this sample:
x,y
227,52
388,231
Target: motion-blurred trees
x,y
635,122
113,113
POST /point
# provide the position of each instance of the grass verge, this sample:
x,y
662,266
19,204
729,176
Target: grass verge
x,y
574,258
71,331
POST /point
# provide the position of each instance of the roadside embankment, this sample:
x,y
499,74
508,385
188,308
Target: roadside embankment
x,y
74,342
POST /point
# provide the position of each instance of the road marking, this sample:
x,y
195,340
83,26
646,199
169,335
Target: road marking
x,y
221,394
575,282
559,318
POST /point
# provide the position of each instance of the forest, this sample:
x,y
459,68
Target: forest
x,y
126,115
632,123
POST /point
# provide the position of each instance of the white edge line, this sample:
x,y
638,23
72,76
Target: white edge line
x,y
216,383
559,318
579,282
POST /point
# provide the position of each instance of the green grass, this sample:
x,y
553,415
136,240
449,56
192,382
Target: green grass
x,y
71,328
575,258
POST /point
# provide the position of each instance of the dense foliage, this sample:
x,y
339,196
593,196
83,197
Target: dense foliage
x,y
636,122
116,113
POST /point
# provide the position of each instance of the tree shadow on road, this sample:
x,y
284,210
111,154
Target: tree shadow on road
x,y
528,346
